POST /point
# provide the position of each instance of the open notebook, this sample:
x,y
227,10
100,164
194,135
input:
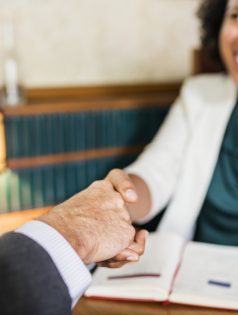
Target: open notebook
x,y
174,271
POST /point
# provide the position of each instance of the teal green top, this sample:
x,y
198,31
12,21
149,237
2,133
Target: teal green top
x,y
218,220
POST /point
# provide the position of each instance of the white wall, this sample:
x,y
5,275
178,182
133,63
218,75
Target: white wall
x,y
84,42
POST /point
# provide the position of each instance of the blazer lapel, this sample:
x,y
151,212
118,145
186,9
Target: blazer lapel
x,y
200,161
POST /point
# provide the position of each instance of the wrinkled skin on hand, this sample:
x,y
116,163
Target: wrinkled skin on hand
x,y
132,253
95,222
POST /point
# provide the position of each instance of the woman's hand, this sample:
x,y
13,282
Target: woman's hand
x,y
133,190
123,184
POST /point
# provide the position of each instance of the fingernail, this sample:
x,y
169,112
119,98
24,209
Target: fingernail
x,y
131,195
132,258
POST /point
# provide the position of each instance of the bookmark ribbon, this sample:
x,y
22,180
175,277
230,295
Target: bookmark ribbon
x,y
135,275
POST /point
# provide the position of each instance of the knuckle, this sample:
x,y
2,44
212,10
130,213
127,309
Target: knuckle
x,y
101,184
112,174
117,201
105,184
124,213
95,183
115,171
114,202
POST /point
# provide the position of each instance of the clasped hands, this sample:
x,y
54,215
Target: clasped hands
x,y
122,184
97,224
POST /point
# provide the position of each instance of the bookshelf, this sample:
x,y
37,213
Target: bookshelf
x,y
68,137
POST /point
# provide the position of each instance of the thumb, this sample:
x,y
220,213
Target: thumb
x,y
123,184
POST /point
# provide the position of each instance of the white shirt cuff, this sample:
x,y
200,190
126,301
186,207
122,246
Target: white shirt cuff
x,y
71,268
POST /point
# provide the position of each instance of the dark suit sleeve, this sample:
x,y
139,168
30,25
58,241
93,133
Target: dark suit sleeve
x,y
30,283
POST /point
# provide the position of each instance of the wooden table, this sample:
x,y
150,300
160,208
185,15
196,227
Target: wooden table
x,y
102,307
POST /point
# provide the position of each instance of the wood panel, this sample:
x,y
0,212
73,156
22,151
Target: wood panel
x,y
56,94
103,307
70,157
11,221
79,106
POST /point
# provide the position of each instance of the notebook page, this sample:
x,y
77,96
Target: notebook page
x,y
208,276
148,279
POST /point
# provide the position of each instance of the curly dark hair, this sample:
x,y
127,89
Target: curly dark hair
x,y
211,13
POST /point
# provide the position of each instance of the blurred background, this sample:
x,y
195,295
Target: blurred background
x,y
85,85
85,42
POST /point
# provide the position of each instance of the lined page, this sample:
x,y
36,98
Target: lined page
x,y
148,279
208,276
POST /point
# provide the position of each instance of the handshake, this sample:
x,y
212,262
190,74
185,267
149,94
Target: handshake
x,y
97,224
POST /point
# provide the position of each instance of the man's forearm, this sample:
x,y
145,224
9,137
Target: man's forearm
x,y
71,268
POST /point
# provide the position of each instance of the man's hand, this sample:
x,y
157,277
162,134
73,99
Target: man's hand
x,y
95,222
136,196
128,254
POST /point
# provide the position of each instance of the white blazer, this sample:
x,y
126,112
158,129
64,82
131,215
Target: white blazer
x,y
179,163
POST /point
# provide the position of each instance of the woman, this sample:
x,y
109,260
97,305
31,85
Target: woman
x,y
191,166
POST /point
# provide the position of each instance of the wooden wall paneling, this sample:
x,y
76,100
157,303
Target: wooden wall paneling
x,y
98,105
62,94
11,221
71,157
